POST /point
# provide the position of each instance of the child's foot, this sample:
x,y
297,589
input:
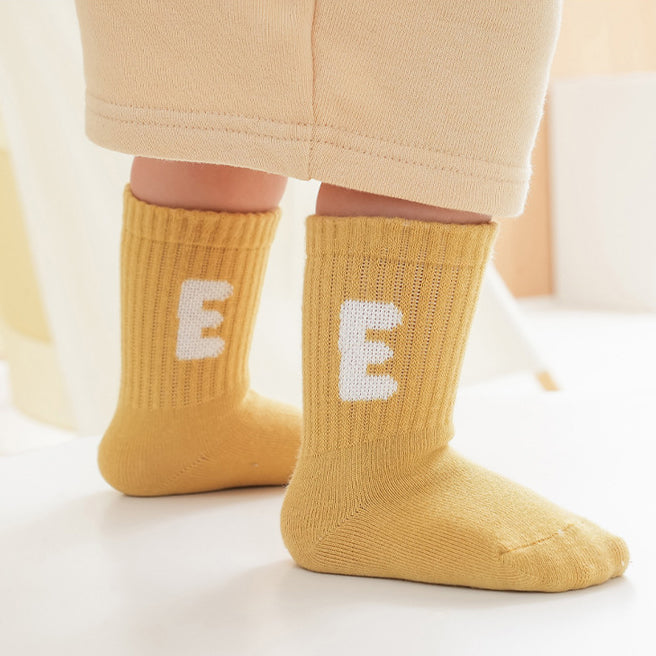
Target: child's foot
x,y
186,419
438,518
377,491
206,447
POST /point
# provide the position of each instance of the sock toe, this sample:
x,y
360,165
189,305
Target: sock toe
x,y
577,556
618,553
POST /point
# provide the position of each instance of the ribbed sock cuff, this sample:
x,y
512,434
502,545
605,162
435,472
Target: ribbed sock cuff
x,y
400,239
162,248
416,284
198,227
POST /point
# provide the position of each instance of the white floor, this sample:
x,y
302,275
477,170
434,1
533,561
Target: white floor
x,y
20,433
86,570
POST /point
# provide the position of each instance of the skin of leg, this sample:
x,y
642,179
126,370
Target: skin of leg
x,y
197,186
193,185
341,201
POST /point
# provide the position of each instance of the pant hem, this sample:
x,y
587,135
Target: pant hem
x,y
320,152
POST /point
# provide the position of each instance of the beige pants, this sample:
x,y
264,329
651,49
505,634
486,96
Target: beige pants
x,y
434,101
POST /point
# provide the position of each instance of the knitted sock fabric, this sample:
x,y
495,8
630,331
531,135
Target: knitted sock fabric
x,y
377,491
186,419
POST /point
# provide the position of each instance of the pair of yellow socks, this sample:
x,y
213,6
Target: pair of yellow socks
x,y
376,489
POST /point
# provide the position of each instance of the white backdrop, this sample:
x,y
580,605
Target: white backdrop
x,y
603,144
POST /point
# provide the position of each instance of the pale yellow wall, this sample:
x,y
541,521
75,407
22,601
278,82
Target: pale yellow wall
x,y
598,37
523,250
606,37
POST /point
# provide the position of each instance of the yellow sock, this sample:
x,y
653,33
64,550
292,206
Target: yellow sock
x,y
377,491
186,419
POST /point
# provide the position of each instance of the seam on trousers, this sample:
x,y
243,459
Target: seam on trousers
x,y
314,79
513,181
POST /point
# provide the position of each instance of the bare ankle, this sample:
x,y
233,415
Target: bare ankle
x,y
340,201
192,185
